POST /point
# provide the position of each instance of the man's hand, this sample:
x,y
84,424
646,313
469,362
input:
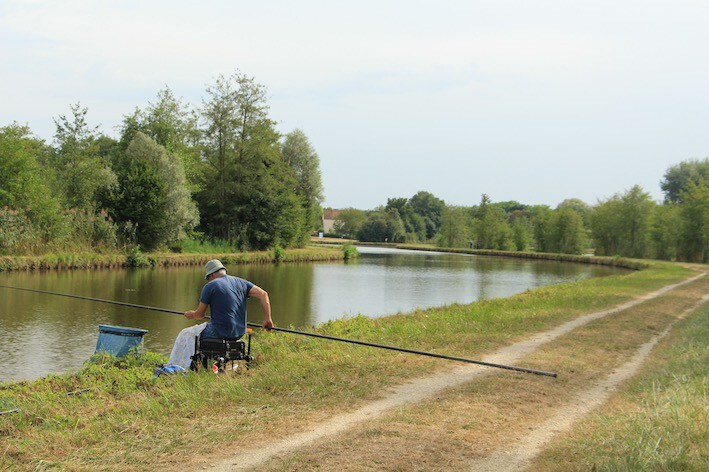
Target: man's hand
x,y
197,314
267,324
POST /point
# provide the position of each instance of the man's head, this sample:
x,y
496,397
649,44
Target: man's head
x,y
212,267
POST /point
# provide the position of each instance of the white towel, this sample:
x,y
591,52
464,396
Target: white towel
x,y
183,349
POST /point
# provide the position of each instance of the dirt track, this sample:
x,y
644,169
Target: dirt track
x,y
516,456
519,455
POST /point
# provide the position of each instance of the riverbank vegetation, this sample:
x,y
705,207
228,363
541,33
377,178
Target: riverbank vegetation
x,y
136,258
176,173
628,224
115,415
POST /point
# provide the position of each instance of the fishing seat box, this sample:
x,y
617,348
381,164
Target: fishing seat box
x,y
219,352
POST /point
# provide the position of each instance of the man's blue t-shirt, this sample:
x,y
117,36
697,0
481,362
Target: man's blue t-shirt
x,y
226,297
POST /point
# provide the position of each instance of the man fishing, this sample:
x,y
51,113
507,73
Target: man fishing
x,y
226,297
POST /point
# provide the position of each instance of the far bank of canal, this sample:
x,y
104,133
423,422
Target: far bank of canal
x,y
53,334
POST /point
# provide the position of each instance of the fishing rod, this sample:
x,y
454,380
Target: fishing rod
x,y
302,333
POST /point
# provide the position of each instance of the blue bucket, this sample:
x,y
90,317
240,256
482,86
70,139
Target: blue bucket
x,y
118,340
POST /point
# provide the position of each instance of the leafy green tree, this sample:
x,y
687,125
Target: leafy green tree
x,y
606,222
21,183
637,207
383,226
349,222
248,195
81,173
694,239
541,227
455,231
490,226
430,208
665,228
579,206
511,206
173,125
521,234
153,194
414,223
23,186
568,234
300,155
620,225
679,177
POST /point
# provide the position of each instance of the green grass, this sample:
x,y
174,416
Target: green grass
x,y
206,246
660,421
127,420
615,261
94,260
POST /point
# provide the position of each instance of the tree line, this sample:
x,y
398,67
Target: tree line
x,y
219,171
628,224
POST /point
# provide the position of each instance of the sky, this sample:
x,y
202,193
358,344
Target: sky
x,y
535,101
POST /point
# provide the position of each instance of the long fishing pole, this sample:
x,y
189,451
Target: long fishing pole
x,y
303,333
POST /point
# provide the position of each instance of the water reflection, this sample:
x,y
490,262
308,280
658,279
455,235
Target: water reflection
x,y
54,334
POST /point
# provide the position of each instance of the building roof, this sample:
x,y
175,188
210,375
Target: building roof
x,y
330,214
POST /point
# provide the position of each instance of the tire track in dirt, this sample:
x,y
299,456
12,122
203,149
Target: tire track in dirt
x,y
520,455
417,390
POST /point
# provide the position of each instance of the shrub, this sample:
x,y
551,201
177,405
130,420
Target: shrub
x,y
135,258
349,252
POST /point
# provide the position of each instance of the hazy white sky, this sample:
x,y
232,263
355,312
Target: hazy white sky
x,y
535,101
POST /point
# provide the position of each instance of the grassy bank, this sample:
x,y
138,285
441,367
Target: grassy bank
x,y
500,412
659,421
596,260
616,261
104,261
116,416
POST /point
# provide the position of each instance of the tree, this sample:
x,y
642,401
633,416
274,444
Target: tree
x,y
248,195
23,188
414,223
678,177
579,206
635,217
81,173
511,206
541,227
521,233
665,228
430,209
382,226
173,125
605,226
568,234
694,239
490,226
153,194
349,222
21,183
620,225
299,154
455,231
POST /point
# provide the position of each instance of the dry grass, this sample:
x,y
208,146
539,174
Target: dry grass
x,y
468,423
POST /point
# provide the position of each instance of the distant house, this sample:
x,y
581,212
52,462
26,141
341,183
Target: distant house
x,y
328,219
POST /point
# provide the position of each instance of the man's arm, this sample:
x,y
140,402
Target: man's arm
x,y
262,296
197,314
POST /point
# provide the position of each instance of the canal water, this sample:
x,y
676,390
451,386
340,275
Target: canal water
x,y
45,334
